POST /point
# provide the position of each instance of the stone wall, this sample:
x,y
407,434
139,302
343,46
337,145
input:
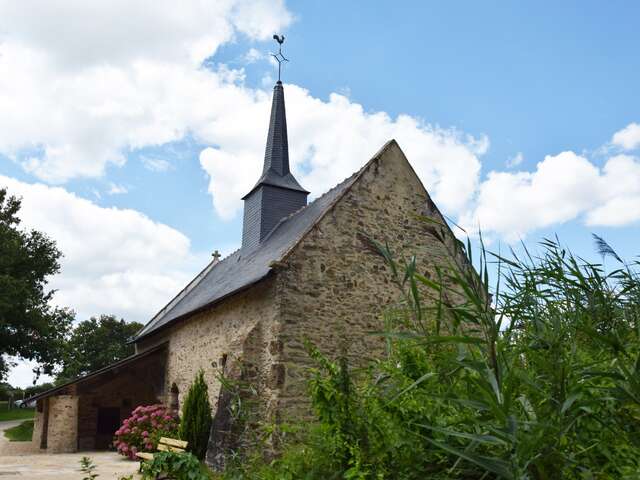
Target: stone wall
x,y
38,425
333,290
237,329
62,436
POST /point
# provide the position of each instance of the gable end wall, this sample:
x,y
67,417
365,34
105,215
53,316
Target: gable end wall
x,y
333,291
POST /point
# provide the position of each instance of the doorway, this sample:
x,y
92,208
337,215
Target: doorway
x,y
108,423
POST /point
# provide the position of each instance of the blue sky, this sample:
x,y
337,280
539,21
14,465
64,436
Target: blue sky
x,y
131,133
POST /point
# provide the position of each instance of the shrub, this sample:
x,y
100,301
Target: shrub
x,y
141,432
178,466
196,417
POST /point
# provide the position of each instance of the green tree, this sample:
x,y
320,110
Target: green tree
x,y
96,343
30,328
7,391
196,417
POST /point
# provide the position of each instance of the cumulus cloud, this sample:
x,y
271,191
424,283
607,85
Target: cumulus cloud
x,y
563,187
155,164
107,78
115,189
628,138
330,140
253,55
115,260
516,160
619,192
83,83
97,81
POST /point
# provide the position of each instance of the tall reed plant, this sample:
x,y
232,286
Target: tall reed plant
x,y
535,378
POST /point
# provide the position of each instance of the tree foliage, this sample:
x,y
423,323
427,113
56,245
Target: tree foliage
x,y
196,417
97,343
30,328
539,381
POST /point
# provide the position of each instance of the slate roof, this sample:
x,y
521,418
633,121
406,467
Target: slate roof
x,y
247,266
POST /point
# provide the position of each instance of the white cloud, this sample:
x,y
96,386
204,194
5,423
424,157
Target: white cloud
x,y
155,164
516,160
253,55
82,83
330,140
619,189
564,187
99,80
116,189
106,78
628,138
115,260
22,375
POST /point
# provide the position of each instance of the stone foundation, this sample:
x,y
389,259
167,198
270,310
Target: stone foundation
x,y
38,425
62,434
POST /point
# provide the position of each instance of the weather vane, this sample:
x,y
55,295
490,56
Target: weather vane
x,y
279,56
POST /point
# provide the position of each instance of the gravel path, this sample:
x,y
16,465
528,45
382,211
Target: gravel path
x,y
64,466
20,461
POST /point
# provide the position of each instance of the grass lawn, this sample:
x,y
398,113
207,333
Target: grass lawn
x,y
15,413
21,433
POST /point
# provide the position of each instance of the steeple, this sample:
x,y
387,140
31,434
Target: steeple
x,y
277,193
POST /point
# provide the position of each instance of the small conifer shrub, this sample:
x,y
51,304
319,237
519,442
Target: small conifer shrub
x,y
196,417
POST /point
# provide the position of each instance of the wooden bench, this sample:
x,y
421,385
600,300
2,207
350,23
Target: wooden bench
x,y
165,445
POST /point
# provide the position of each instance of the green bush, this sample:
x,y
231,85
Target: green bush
x,y
539,380
196,417
177,466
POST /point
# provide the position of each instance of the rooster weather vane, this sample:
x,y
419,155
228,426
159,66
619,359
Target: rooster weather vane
x,y
280,58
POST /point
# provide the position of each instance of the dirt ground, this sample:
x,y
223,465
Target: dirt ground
x,y
19,461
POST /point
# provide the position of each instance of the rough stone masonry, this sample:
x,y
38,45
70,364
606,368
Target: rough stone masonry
x,y
302,272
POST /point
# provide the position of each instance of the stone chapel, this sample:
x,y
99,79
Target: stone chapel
x,y
302,272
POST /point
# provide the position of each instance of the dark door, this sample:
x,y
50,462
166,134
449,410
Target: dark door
x,y
108,423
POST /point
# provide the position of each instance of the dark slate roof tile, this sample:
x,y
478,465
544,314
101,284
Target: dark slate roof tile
x,y
246,266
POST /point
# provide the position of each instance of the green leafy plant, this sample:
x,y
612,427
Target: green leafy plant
x,y
195,423
87,466
538,378
178,466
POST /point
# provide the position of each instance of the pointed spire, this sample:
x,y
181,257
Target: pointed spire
x,y
276,155
277,193
275,170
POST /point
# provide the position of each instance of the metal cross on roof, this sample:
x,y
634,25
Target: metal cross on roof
x,y
279,56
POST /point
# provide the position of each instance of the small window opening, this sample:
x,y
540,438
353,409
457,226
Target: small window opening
x,y
175,400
